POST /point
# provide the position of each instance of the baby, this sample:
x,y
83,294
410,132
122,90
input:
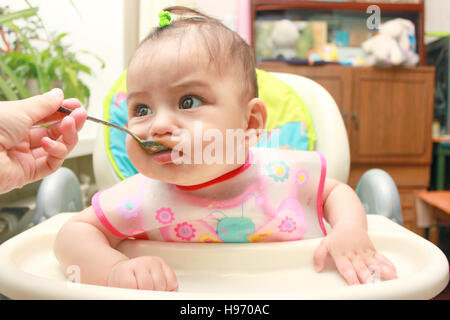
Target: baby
x,y
188,80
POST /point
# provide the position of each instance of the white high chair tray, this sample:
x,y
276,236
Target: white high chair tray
x,y
29,269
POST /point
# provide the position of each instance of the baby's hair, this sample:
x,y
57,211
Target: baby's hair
x,y
220,41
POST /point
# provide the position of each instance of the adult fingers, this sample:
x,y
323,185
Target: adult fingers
x,y
61,147
48,158
56,150
54,131
41,106
71,103
37,133
79,115
69,134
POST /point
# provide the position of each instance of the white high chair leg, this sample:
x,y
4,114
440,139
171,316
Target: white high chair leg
x,y
59,192
379,195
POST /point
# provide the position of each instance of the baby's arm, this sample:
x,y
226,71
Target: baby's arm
x,y
84,242
348,242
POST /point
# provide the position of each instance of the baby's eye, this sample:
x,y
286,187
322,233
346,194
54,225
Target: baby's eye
x,y
189,102
142,110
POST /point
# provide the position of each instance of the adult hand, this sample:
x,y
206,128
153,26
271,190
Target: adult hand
x,y
29,152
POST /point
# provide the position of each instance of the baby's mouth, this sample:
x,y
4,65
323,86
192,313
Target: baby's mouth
x,y
168,156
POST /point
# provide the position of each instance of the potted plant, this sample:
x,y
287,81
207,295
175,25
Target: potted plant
x,y
31,63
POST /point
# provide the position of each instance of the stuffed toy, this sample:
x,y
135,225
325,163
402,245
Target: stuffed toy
x,y
328,52
393,45
283,39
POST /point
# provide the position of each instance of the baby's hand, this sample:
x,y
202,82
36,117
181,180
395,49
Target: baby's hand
x,y
145,273
355,257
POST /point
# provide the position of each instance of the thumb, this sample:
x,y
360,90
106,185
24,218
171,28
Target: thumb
x,y
42,106
320,256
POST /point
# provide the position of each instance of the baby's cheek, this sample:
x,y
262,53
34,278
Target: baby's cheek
x,y
135,153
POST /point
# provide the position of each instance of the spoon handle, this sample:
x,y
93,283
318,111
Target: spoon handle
x,y
106,123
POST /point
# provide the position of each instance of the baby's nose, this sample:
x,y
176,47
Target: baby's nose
x,y
163,124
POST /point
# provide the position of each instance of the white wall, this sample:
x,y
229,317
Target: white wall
x,y
437,15
99,30
222,10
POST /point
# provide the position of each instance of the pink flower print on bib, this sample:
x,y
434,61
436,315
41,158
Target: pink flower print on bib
x,y
185,231
288,224
193,231
164,215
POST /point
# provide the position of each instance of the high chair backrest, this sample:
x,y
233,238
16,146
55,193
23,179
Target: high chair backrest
x,y
328,130
331,135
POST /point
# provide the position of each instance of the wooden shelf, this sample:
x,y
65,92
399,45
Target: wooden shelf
x,y
265,5
281,5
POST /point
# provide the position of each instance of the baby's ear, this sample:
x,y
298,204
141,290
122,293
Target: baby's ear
x,y
256,121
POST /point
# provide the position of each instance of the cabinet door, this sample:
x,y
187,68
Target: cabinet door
x,y
335,79
391,115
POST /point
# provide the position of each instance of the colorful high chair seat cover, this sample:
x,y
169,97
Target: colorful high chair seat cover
x,y
289,124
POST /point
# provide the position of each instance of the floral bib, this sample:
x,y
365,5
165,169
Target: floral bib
x,y
275,196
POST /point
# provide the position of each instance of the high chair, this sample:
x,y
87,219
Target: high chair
x,y
284,270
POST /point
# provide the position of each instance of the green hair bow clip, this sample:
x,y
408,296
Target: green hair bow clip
x,y
164,18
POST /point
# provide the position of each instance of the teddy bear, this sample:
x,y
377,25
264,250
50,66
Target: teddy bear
x,y
283,39
393,45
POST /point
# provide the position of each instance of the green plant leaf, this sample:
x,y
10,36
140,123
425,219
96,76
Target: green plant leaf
x,y
42,26
24,38
95,56
5,18
55,62
6,90
15,80
71,80
59,37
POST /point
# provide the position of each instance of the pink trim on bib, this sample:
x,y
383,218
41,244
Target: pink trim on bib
x,y
323,173
101,216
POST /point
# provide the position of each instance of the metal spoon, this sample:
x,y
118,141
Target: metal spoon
x,y
148,145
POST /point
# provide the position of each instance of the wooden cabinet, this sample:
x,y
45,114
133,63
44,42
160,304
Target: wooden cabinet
x,y
388,114
392,112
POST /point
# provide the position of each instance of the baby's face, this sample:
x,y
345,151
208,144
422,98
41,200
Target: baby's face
x,y
177,97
